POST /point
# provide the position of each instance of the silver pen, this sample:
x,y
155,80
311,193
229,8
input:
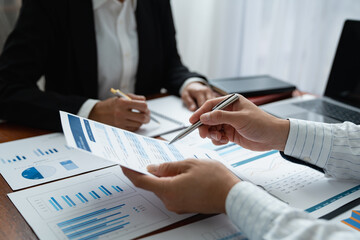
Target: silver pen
x,y
221,105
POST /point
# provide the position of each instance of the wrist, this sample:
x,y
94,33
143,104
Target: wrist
x,y
281,133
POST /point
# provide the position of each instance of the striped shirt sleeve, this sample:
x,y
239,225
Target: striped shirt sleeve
x,y
333,147
259,215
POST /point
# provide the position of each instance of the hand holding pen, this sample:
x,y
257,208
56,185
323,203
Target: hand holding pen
x,y
119,93
221,103
121,112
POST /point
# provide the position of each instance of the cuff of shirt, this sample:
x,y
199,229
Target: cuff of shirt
x,y
191,80
309,141
252,209
87,107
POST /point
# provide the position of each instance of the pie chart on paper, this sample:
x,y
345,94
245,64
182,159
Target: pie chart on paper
x,y
38,172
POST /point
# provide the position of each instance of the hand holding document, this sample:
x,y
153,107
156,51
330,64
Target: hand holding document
x,y
122,147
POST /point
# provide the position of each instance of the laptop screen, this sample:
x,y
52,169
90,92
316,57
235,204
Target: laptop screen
x,y
344,80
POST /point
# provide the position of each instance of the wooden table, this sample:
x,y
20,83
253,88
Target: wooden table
x,y
13,225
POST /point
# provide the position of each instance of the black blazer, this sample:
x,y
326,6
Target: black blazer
x,y
58,40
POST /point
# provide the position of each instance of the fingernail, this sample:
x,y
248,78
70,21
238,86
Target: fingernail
x,y
223,140
152,168
213,136
205,117
192,107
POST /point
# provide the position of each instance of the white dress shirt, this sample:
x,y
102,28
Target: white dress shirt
x,y
117,49
333,147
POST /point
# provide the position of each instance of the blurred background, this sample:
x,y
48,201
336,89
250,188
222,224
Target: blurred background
x,y
292,40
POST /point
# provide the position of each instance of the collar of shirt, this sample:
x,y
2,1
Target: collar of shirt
x,y
98,3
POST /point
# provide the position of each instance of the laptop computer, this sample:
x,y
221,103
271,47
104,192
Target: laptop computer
x,y
341,101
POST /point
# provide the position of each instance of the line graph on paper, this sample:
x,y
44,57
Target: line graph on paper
x,y
276,174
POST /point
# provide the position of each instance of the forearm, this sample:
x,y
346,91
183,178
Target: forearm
x,y
259,215
332,147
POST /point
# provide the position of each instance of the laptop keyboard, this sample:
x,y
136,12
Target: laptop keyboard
x,y
330,110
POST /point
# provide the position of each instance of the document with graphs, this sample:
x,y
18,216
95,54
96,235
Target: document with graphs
x,y
36,160
99,205
123,147
297,185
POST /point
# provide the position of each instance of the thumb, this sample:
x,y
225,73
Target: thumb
x,y
143,181
169,169
218,117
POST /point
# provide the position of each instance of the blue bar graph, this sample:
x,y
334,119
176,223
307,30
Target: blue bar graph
x,y
57,204
47,153
106,190
18,158
91,194
115,188
87,223
88,215
40,152
3,161
53,204
55,149
82,196
119,188
24,157
96,228
101,189
67,201
95,194
72,202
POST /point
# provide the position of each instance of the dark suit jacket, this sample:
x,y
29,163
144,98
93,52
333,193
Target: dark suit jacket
x,y
57,39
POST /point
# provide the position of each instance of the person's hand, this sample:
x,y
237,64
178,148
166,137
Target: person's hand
x,y
243,123
118,112
195,94
189,186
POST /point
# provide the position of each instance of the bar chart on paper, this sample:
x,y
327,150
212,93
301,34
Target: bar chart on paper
x,y
102,204
36,160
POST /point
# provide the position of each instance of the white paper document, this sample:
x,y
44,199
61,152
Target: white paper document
x,y
170,112
299,186
36,160
218,227
98,205
123,147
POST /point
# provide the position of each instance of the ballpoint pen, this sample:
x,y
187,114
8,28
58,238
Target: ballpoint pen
x,y
119,93
221,105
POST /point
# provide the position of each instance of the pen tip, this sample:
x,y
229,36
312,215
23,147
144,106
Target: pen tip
x,y
113,90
